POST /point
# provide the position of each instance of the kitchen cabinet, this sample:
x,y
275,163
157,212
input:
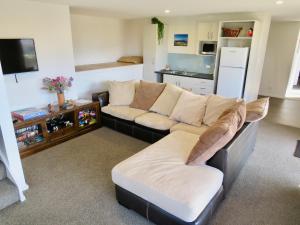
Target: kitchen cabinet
x,y
195,85
189,28
208,31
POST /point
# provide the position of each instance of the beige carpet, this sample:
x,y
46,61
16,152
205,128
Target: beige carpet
x,y
71,183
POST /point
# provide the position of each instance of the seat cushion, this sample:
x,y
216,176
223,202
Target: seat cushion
x,y
159,175
189,128
123,112
155,121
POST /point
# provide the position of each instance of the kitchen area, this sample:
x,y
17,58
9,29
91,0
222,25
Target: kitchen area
x,y
191,72
209,57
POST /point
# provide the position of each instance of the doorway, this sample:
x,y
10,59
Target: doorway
x,y
293,88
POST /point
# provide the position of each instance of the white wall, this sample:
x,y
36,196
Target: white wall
x,y
96,80
97,39
102,39
49,26
133,37
279,57
9,152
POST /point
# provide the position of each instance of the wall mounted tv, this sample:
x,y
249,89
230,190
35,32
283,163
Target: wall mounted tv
x,y
18,56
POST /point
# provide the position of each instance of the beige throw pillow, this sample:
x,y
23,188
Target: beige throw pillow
x,y
121,92
146,94
190,108
215,106
218,135
167,100
257,110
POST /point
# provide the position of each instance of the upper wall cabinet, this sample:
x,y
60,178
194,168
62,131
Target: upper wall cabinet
x,y
208,31
182,37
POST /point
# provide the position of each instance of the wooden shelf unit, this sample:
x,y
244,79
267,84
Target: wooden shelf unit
x,y
62,134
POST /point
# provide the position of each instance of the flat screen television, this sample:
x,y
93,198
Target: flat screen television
x,y
18,56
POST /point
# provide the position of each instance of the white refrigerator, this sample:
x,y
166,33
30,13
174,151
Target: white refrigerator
x,y
232,72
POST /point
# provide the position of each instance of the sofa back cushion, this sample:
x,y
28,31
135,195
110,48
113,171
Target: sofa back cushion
x,y
121,92
190,108
167,100
146,94
215,106
257,110
218,135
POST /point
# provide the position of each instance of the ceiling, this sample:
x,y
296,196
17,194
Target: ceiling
x,y
289,10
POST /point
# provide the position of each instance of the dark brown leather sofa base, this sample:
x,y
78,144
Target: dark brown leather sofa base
x,y
160,216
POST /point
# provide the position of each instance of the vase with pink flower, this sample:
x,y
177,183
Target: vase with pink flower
x,y
58,85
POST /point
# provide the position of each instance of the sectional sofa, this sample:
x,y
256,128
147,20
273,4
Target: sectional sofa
x,y
156,182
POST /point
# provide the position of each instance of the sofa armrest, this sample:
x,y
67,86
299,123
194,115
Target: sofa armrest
x,y
101,97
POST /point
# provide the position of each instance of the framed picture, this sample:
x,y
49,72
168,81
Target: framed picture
x,y
181,39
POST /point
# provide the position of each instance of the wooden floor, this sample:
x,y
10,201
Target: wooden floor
x,y
284,111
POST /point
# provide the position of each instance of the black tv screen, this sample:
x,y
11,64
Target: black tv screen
x,y
18,56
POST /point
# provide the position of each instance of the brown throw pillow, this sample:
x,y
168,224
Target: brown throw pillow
x,y
257,110
218,135
240,109
146,94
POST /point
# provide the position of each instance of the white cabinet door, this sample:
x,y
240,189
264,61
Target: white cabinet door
x,y
214,31
171,79
208,31
203,31
195,85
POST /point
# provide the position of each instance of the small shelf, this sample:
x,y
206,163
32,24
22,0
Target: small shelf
x,y
99,66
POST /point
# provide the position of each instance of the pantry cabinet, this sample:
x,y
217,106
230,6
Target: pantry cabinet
x,y
195,85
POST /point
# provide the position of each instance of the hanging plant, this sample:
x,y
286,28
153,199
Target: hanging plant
x,y
160,28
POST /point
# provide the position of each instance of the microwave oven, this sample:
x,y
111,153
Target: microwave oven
x,y
208,47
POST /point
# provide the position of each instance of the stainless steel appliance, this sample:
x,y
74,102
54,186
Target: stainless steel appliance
x,y
208,47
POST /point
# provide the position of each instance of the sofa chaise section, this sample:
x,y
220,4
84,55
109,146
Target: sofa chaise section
x,y
159,175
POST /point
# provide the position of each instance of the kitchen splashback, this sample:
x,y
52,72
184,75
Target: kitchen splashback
x,y
191,63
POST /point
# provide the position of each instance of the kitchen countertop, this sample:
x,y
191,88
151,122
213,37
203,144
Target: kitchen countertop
x,y
186,74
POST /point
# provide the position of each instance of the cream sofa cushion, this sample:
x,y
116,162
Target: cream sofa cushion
x,y
155,121
215,106
257,110
159,175
189,128
167,100
123,112
190,108
121,92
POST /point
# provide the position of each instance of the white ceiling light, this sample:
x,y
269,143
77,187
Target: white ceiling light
x,y
279,2
167,11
